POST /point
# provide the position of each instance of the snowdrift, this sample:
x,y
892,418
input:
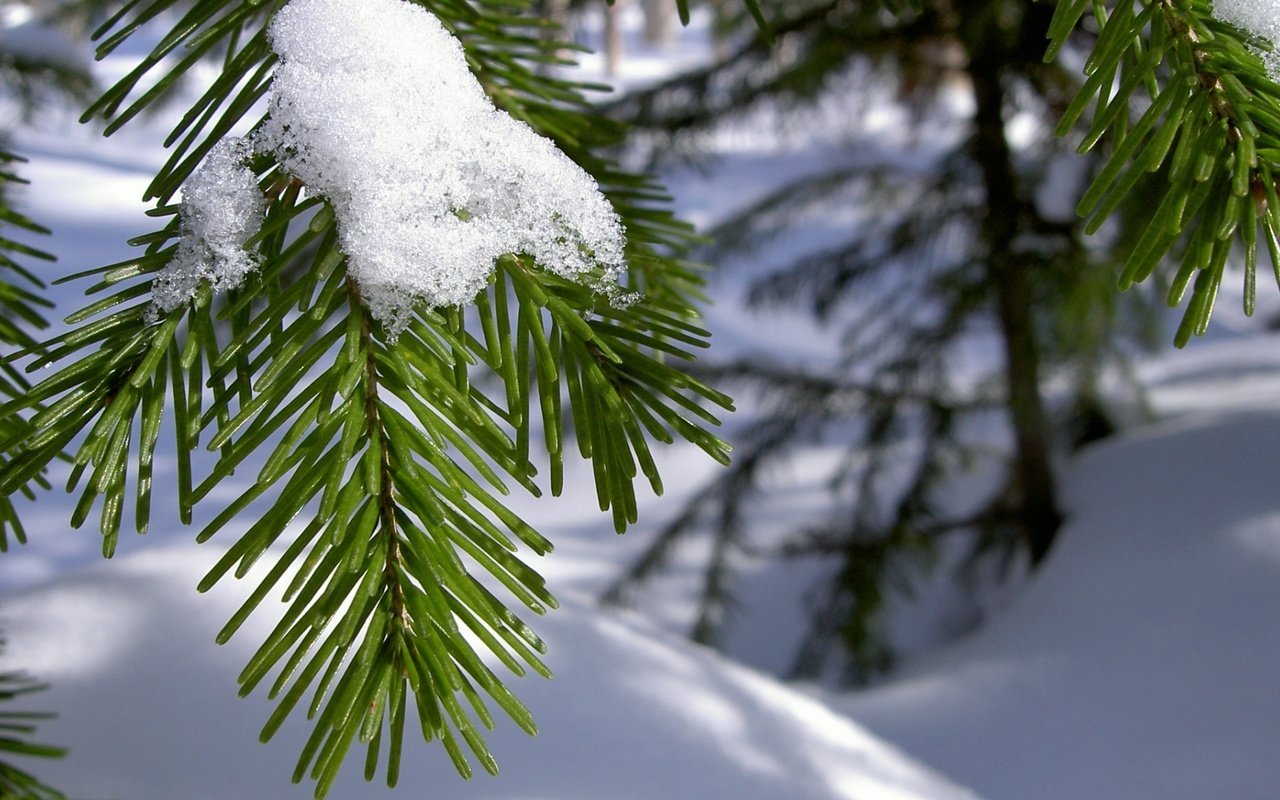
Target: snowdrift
x,y
1142,662
147,704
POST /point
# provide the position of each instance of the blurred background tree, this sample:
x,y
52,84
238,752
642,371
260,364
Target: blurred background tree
x,y
961,237
16,729
658,29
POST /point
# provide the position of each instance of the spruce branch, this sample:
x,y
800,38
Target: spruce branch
x,y
754,72
379,459
1208,120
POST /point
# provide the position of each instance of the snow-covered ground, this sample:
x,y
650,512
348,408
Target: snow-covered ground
x,y
146,704
1139,663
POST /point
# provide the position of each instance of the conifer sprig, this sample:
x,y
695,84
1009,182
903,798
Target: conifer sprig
x,y
380,461
1208,121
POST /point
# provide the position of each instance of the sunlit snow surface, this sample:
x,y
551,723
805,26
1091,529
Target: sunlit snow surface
x,y
1141,662
147,705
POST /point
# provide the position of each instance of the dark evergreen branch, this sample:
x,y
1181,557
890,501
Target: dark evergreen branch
x,y
723,497
31,80
779,385
908,288
1210,121
36,79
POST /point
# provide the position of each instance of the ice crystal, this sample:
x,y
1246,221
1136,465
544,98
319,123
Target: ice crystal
x,y
221,210
1259,17
373,108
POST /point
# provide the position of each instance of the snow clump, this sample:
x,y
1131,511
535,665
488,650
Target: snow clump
x,y
1259,17
222,209
373,108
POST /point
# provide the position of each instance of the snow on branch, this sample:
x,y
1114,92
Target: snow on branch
x,y
374,109
1259,17
222,208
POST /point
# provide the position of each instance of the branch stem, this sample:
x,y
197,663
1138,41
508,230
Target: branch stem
x,y
386,485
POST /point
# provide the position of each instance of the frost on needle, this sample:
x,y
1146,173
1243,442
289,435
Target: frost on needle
x,y
374,109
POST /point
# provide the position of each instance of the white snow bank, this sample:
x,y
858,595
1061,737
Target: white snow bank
x,y
1142,662
373,107
147,705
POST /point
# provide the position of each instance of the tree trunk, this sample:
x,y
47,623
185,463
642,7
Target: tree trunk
x,y
1037,510
612,37
658,26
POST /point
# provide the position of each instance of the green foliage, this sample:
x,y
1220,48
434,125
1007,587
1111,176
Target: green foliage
x,y
378,465
1208,121
381,462
28,82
